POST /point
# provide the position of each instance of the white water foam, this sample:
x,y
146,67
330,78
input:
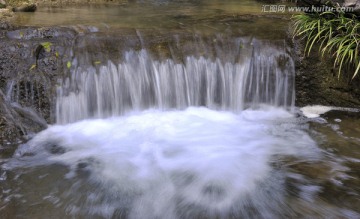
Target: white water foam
x,y
317,110
176,164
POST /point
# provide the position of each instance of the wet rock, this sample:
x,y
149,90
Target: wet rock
x,y
17,122
28,79
317,81
55,149
25,7
40,33
10,131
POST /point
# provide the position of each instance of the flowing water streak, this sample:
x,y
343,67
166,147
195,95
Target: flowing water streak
x,y
261,74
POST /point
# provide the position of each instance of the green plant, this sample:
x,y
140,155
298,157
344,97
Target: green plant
x,y
335,33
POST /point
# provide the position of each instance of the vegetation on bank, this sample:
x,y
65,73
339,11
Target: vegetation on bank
x,y
337,34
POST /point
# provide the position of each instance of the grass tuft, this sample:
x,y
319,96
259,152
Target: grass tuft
x,y
336,34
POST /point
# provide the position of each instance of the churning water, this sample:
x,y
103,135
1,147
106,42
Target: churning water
x,y
176,164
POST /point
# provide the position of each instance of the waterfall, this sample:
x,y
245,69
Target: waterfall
x,y
258,73
195,132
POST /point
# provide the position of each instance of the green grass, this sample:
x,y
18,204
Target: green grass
x,y
336,34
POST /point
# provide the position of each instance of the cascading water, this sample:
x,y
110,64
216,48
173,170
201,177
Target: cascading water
x,y
203,136
261,74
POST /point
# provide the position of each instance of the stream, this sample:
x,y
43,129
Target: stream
x,y
202,125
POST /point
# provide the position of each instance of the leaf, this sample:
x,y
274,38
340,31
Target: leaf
x,y
314,40
356,71
68,64
97,62
32,67
56,54
47,46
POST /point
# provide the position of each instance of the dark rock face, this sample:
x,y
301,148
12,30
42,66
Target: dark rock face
x,y
17,122
317,81
28,78
9,129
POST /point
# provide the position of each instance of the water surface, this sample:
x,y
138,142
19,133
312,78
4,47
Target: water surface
x,y
244,17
